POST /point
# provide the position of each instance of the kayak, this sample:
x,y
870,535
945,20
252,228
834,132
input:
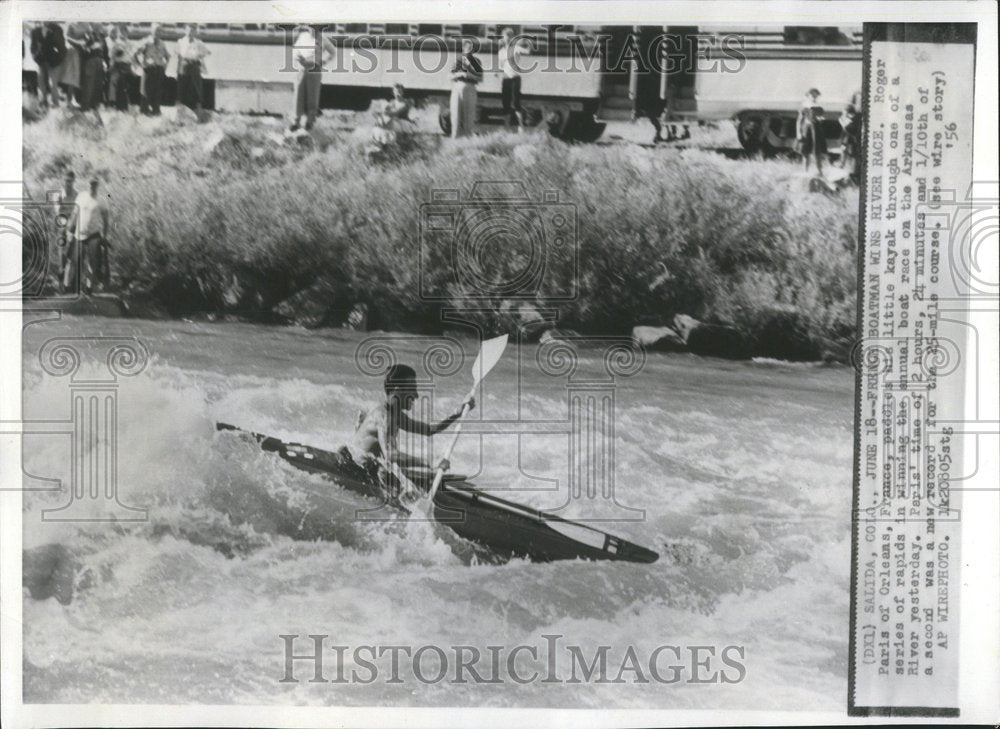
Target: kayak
x,y
504,527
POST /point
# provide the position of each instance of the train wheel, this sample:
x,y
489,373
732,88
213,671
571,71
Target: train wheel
x,y
444,121
556,120
582,127
749,133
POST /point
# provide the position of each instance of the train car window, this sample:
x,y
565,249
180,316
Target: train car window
x,y
801,35
356,28
479,31
430,29
397,28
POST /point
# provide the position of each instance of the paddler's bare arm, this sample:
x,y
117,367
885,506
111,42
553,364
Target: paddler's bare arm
x,y
419,427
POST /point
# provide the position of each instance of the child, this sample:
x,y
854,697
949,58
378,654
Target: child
x,y
377,433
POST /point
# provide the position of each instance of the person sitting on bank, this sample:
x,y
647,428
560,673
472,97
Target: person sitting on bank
x,y
377,433
89,240
465,74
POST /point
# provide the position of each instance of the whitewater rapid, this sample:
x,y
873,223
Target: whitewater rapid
x,y
743,471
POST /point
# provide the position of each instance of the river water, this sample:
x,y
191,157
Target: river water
x,y
737,473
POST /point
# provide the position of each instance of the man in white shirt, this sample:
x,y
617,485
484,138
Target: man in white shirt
x,y
509,58
310,78
89,224
191,52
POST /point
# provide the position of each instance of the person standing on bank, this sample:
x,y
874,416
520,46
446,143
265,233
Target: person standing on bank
x,y
466,73
152,57
310,53
509,57
121,73
191,53
812,143
90,239
48,48
94,55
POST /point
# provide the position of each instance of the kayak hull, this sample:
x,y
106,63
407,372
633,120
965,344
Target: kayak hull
x,y
504,527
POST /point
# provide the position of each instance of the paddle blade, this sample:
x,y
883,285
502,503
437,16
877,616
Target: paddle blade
x,y
489,354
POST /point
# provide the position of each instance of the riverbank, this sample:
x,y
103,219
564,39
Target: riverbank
x,y
234,218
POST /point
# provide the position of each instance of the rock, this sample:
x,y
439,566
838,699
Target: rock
x,y
319,305
658,339
102,304
357,318
558,335
711,340
684,324
49,571
523,319
784,333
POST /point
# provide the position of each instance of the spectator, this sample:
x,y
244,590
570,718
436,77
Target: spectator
x,y
152,57
72,65
48,48
310,79
509,56
397,108
120,75
191,53
811,100
93,62
90,239
63,209
813,142
850,140
645,89
466,73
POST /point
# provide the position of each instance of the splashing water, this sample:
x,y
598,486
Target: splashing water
x,y
742,470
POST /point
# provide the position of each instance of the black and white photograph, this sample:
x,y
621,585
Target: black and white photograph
x,y
492,360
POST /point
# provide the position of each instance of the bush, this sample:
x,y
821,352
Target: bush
x,y
660,231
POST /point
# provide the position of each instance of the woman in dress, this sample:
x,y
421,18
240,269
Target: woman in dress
x,y
466,73
69,74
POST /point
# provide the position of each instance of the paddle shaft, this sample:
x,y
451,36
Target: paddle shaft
x,y
439,475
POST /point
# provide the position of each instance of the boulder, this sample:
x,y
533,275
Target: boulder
x,y
523,319
658,339
784,333
711,340
357,318
557,335
49,571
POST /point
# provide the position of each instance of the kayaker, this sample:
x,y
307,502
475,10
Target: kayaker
x,y
377,433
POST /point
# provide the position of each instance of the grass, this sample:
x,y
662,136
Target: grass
x,y
661,231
